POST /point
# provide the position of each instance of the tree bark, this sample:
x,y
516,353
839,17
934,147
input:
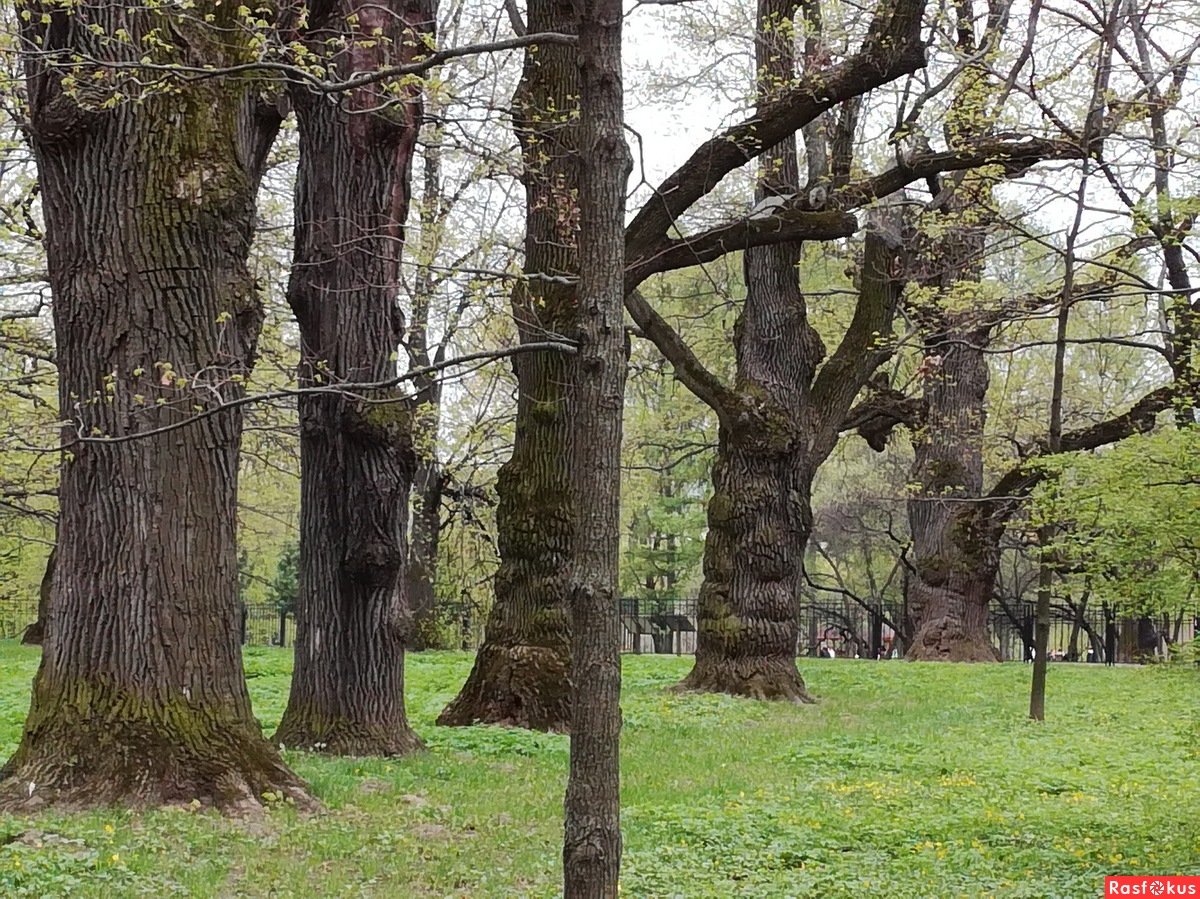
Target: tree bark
x,y
760,515
149,207
356,452
592,833
520,675
1041,639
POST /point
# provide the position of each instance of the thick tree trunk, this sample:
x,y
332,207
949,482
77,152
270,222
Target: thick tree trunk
x,y
356,454
520,676
140,698
592,831
955,559
759,520
760,515
35,634
955,539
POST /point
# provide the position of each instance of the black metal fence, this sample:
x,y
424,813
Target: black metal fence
x,y
658,626
833,628
266,625
263,624
15,617
844,628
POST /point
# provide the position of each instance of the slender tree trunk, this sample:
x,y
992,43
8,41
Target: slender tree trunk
x,y
425,531
35,634
1041,639
149,207
1047,561
592,836
520,676
1047,533
356,453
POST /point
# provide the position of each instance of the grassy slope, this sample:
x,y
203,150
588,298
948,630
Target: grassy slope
x,y
906,780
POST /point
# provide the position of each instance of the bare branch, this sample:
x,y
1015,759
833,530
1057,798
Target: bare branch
x,y
892,49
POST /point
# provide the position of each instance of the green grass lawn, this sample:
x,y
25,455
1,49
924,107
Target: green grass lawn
x,y
905,780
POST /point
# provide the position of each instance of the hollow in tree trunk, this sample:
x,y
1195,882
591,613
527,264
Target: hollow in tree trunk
x,y
520,676
149,208
356,454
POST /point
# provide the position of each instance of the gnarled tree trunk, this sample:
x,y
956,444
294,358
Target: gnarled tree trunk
x,y
759,520
955,539
520,676
955,555
784,421
149,206
760,514
356,454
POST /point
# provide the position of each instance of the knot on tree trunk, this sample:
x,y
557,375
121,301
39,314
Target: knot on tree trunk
x,y
762,426
384,418
948,639
373,562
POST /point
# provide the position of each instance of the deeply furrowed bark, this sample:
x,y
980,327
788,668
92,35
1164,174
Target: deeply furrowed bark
x,y
783,425
520,672
759,519
149,207
534,528
356,453
759,516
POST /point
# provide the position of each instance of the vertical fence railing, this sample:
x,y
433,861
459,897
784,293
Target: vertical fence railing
x,y
838,628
